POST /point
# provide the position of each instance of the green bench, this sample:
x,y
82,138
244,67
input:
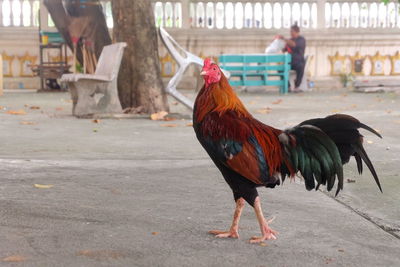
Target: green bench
x,y
258,70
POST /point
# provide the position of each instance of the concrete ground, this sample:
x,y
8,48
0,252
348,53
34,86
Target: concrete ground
x,y
139,193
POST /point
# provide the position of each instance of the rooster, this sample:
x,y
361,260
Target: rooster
x,y
250,154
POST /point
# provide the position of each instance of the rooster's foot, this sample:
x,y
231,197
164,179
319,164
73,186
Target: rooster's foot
x,y
267,233
224,234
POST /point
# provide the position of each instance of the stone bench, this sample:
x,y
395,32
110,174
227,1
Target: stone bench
x,y
97,93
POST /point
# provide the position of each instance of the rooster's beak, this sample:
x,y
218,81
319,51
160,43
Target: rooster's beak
x,y
203,73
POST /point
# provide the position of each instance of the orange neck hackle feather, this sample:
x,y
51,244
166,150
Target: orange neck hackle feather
x,y
218,97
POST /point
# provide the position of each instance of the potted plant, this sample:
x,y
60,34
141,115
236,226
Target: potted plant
x,y
346,78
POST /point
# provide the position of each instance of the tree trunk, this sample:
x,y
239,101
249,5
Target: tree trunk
x,y
139,82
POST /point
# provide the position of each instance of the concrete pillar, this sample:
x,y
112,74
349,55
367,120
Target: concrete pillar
x,y
32,18
1,13
1,75
185,14
321,14
44,16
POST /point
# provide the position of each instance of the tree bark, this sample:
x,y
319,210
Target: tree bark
x,y
139,82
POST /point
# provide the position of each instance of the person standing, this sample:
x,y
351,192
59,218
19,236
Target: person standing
x,y
296,46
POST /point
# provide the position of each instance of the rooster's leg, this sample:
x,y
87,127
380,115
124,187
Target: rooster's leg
x,y
266,232
233,231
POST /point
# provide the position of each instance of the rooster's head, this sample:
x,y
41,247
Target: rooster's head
x,y
210,72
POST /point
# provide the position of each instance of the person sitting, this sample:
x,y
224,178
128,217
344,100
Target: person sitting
x,y
296,46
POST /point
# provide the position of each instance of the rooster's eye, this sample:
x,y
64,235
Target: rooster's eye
x,y
214,69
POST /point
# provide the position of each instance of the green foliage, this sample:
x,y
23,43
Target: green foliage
x,y
79,67
387,1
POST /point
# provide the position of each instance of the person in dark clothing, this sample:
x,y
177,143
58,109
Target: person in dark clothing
x,y
296,46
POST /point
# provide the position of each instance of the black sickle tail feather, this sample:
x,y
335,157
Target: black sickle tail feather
x,y
366,127
343,130
363,155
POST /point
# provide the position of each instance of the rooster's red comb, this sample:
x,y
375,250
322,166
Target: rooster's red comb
x,y
207,62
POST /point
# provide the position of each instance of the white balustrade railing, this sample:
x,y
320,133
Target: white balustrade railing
x,y
234,14
231,14
19,13
363,14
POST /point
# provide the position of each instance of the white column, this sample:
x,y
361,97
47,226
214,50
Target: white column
x,y
321,14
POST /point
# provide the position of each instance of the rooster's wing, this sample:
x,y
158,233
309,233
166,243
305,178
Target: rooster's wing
x,y
233,141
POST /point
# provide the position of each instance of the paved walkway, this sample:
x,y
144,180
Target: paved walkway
x,y
137,193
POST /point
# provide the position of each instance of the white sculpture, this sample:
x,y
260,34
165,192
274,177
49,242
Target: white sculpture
x,y
183,58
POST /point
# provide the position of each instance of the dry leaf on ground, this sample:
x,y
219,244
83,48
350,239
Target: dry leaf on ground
x,y
155,233
96,121
169,119
169,125
277,101
34,107
14,258
27,123
43,186
101,254
189,124
263,110
16,112
158,116
59,108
